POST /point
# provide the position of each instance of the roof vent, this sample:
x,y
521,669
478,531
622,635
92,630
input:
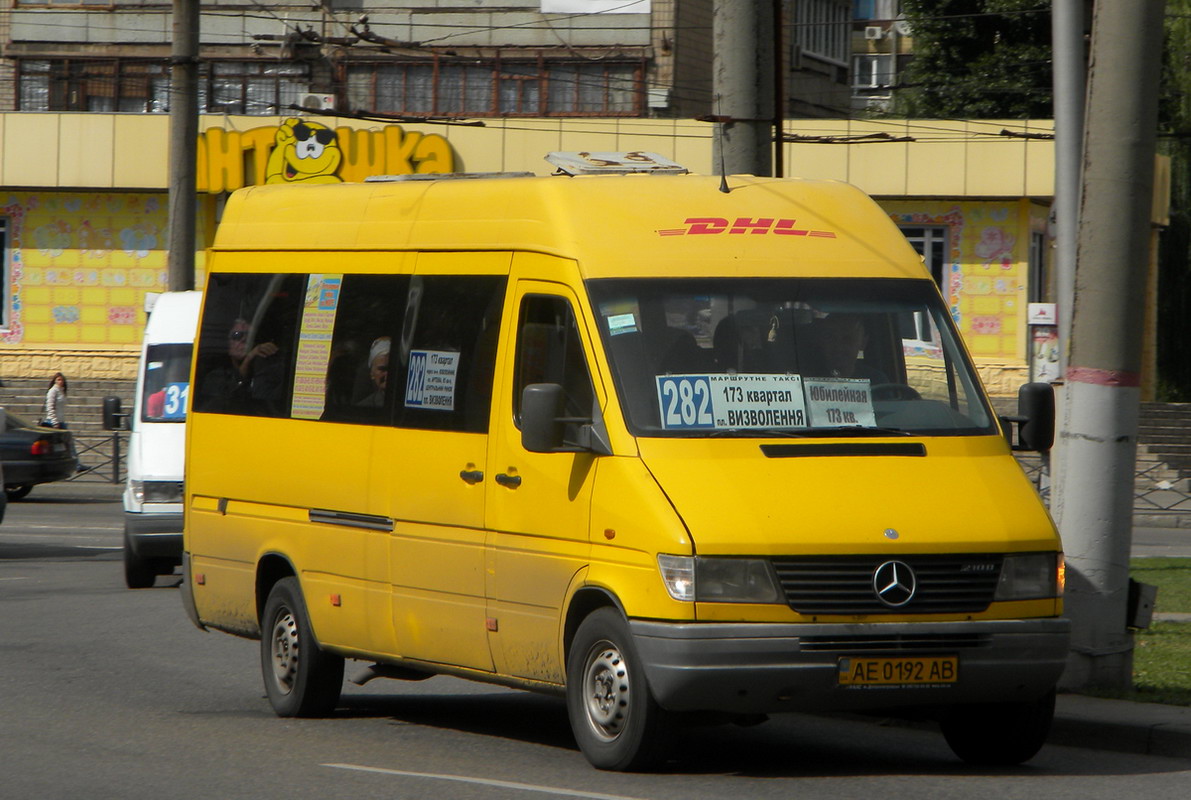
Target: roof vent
x,y
613,163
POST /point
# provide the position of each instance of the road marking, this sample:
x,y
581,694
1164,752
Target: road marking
x,y
71,528
527,787
20,578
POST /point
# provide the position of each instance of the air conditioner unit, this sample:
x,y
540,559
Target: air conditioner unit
x,y
873,32
323,102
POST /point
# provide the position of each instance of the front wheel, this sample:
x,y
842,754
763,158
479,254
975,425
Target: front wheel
x,y
616,722
1000,735
301,679
138,572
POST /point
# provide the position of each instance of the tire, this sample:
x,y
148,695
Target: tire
x,y
615,720
18,492
139,573
301,679
999,735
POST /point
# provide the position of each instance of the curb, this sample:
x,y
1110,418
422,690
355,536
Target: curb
x,y
1162,519
1122,726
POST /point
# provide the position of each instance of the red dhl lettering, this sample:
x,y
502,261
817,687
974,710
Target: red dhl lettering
x,y
711,226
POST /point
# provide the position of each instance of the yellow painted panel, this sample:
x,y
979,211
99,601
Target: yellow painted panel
x,y
124,334
935,168
140,158
815,159
35,314
123,297
61,333
984,345
986,305
93,334
28,138
95,296
997,168
81,137
878,167
93,315
66,295
35,295
37,333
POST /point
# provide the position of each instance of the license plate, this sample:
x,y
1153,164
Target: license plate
x,y
913,671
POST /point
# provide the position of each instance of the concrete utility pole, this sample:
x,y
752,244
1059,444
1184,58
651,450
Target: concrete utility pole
x,y
1099,421
742,80
183,144
1070,91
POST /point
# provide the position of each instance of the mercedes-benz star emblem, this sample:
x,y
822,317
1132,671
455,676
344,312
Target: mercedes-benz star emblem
x,y
894,583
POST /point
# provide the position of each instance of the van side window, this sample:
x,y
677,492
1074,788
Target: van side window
x,y
246,348
445,357
549,350
355,384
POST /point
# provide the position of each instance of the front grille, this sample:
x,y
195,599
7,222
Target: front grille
x,y
896,643
951,584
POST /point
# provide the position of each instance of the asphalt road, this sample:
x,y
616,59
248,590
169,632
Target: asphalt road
x,y
111,693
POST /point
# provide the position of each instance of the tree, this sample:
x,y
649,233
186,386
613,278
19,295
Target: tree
x,y
978,59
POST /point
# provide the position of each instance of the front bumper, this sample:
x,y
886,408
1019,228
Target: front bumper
x,y
762,668
154,535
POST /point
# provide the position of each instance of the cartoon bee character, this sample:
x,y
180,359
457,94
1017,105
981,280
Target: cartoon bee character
x,y
304,152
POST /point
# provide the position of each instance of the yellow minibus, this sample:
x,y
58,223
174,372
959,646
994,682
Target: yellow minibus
x,y
668,445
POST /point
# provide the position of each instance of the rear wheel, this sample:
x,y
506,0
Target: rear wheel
x,y
19,491
139,573
616,722
301,679
999,734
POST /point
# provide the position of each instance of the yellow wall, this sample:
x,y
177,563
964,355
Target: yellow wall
x,y
86,194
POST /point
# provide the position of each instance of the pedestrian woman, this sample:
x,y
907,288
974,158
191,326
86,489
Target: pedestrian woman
x,y
55,402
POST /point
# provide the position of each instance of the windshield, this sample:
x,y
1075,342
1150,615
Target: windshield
x,y
787,357
167,382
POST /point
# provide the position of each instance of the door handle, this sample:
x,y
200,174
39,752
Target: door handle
x,y
471,476
511,481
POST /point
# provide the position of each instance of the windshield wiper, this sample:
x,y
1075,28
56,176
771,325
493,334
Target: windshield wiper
x,y
856,430
806,433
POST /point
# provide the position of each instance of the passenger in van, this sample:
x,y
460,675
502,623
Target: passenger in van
x,y
249,376
840,339
378,372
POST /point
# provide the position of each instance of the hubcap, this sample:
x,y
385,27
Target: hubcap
x,y
606,689
285,651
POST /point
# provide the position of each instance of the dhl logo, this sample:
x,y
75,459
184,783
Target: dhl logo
x,y
696,226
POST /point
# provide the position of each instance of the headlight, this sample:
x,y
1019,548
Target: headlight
x,y
161,491
719,580
1031,577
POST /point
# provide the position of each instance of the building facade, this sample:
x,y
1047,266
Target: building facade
x,y
83,209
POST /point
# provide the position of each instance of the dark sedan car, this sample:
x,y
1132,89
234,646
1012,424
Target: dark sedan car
x,y
33,454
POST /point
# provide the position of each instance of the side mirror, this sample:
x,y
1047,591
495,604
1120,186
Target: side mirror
x,y
541,417
1036,402
1035,418
113,417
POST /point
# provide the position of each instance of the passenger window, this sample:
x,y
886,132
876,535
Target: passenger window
x,y
247,344
445,357
549,350
351,374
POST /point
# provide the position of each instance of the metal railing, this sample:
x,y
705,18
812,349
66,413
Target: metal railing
x,y
102,453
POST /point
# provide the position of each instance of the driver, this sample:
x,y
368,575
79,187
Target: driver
x,y
841,339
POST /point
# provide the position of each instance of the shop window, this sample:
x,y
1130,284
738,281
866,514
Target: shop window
x,y
931,243
529,88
